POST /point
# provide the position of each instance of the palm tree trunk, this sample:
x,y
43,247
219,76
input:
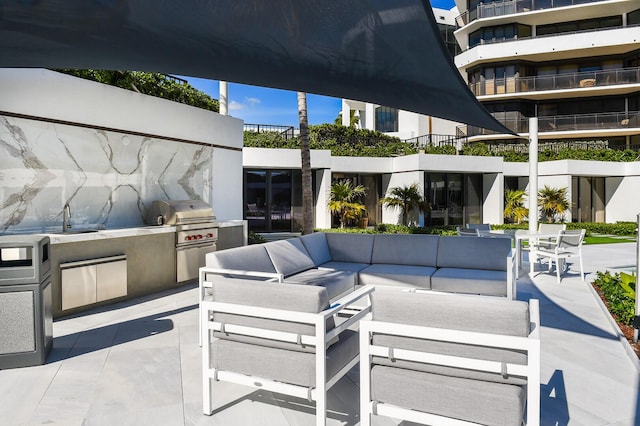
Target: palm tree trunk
x,y
305,153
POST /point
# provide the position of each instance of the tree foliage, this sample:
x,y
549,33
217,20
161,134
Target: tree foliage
x,y
344,201
514,209
150,83
553,203
407,199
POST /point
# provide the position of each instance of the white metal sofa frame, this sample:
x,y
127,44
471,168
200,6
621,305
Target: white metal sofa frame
x,y
321,340
530,345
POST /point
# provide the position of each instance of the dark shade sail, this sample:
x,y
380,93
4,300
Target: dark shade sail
x,y
385,52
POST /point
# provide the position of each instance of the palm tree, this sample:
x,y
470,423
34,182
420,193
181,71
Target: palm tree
x,y
406,198
553,203
343,200
305,153
514,208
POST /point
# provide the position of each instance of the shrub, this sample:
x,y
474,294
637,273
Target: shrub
x,y
619,293
255,238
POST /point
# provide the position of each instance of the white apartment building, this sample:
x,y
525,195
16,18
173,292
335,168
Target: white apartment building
x,y
406,124
574,64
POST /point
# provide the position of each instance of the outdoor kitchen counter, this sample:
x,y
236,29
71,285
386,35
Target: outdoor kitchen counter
x,y
77,235
123,263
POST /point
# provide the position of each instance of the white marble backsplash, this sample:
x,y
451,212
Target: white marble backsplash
x,y
108,178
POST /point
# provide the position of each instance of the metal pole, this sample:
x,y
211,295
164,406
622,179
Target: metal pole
x,y
224,103
533,180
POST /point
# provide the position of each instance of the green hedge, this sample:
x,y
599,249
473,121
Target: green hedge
x,y
619,293
618,228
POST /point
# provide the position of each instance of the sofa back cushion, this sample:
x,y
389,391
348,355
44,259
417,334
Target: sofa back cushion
x,y
418,250
317,247
353,248
246,258
474,253
453,312
289,256
292,297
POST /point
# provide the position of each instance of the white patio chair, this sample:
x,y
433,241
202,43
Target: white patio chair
x,y
549,227
283,338
479,226
568,245
463,232
443,359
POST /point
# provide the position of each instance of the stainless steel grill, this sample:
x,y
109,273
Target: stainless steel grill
x,y
196,232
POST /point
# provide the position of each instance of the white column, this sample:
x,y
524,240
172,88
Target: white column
x,y
323,192
346,113
370,117
533,174
533,183
224,101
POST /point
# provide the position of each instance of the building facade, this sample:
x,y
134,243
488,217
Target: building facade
x,y
574,64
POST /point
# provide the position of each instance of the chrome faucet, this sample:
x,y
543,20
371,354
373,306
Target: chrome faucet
x,y
66,217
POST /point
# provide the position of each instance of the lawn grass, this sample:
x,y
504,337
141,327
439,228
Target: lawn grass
x,y
609,240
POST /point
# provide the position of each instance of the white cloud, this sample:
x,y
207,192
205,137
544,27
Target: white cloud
x,y
235,106
246,103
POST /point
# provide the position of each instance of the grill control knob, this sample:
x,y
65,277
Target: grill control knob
x,y
199,236
209,235
188,238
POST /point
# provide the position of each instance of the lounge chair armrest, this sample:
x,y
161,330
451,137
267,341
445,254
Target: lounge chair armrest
x,y
273,276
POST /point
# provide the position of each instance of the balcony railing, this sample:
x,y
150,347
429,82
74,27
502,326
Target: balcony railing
x,y
287,132
557,82
509,7
436,140
568,123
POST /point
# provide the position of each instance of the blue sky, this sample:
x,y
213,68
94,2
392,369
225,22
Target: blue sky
x,y
260,105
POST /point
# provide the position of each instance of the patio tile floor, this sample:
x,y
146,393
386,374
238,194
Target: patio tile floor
x,y
138,363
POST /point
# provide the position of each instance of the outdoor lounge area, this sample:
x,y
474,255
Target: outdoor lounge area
x,y
139,362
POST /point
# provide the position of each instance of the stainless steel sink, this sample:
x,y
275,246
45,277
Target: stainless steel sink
x,y
77,231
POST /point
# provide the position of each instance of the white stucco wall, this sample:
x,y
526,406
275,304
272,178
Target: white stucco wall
x,y
402,179
493,195
115,121
622,200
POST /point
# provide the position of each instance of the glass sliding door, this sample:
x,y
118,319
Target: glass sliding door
x,y
438,198
268,197
455,198
256,202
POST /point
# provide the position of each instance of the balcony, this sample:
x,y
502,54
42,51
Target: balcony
x,y
509,7
568,123
578,80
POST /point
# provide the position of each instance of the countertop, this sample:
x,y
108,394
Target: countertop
x,y
77,235
80,234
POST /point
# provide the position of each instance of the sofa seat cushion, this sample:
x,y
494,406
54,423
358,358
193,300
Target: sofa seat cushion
x,y
344,266
397,275
246,258
474,253
419,250
283,365
352,248
470,281
317,247
289,256
291,297
335,282
464,399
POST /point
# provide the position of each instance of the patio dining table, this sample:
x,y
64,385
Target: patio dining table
x,y
518,236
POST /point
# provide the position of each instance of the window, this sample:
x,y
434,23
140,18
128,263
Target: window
x,y
455,198
386,119
633,18
584,25
499,33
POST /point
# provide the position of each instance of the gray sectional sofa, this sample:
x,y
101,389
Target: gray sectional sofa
x,y
340,261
